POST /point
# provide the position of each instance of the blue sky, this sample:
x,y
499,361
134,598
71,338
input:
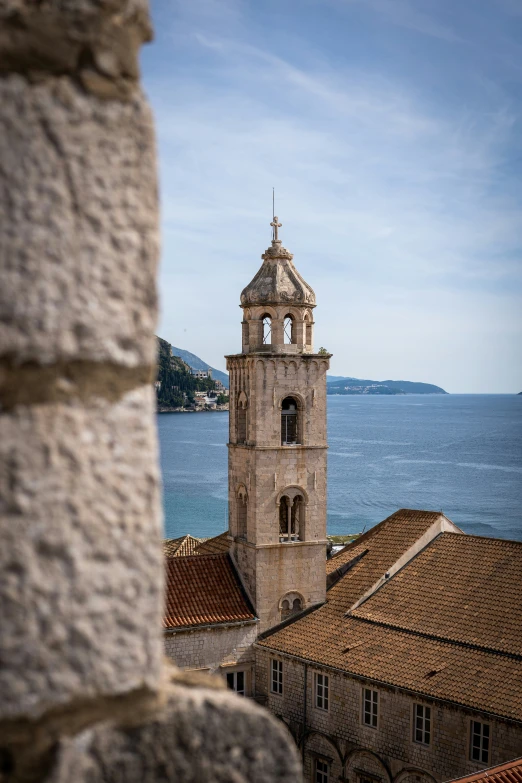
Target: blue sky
x,y
391,130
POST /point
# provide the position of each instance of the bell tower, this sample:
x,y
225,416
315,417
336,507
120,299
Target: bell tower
x,y
277,443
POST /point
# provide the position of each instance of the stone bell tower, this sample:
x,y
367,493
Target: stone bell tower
x,y
277,448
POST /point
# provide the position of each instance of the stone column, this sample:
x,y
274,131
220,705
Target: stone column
x,y
80,511
255,335
278,339
83,692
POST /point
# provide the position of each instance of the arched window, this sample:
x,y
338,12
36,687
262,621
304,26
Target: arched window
x,y
289,330
308,330
242,507
291,518
241,418
291,604
267,329
289,422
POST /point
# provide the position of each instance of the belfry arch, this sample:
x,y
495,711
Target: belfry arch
x,y
291,408
291,514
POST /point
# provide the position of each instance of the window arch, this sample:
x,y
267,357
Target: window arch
x,y
241,418
292,506
290,422
267,329
242,512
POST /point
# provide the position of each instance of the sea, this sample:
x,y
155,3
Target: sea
x,y
460,454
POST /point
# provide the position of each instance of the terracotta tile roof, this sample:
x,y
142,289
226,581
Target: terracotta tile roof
x,y
188,545
384,543
464,589
203,590
210,546
391,637
180,547
510,772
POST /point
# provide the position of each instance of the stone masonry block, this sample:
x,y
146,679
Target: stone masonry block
x,y
80,562
79,230
201,736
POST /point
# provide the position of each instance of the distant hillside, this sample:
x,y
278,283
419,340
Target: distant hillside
x,y
176,382
337,385
198,364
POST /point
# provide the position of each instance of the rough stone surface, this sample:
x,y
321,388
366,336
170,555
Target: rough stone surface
x,y
201,736
97,43
79,244
80,563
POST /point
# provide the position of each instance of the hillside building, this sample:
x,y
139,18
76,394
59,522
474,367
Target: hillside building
x,y
399,660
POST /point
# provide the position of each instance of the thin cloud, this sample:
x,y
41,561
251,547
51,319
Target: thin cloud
x,y
407,14
402,210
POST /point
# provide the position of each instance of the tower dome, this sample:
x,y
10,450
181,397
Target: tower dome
x,y
277,281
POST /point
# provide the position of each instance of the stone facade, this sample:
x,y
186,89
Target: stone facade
x,y
215,649
265,471
386,753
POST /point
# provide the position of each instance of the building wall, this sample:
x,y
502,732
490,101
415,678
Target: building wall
x,y
213,647
388,752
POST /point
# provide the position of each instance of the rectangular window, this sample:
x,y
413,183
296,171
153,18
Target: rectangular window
x,y
288,428
236,682
276,678
320,771
370,707
421,724
479,742
321,691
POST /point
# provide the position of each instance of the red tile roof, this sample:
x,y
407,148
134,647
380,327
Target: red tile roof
x,y
203,590
188,545
211,546
510,772
445,625
180,547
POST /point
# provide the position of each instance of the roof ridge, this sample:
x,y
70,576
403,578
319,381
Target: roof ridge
x,y
369,533
435,637
475,536
206,555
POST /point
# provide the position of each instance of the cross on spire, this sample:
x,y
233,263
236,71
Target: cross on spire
x,y
275,225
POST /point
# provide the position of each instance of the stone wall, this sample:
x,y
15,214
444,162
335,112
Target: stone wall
x,y
388,753
84,693
212,648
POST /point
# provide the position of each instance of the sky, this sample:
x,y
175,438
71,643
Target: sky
x,y
391,131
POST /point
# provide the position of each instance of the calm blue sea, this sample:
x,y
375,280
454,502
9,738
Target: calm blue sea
x,y
461,454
